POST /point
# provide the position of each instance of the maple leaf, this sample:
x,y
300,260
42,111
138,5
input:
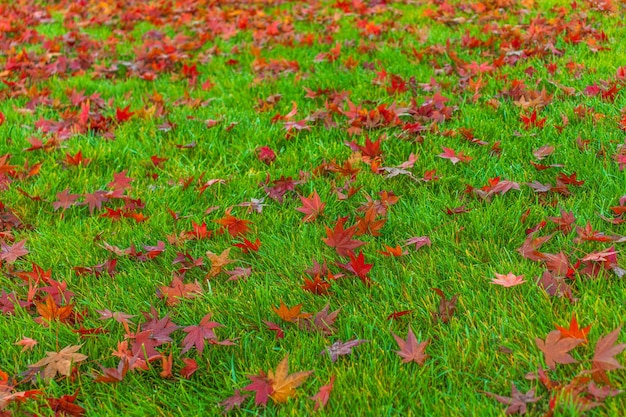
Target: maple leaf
x,y
322,396
322,322
11,253
368,223
603,356
233,401
280,334
555,348
341,239
290,314
340,348
191,366
94,200
49,310
453,156
446,307
26,343
120,181
529,248
317,285
410,349
262,387
178,290
239,273
113,375
248,246
218,262
284,384
312,207
517,401
233,225
418,241
508,280
59,362
389,251
196,335
65,405
357,266
574,331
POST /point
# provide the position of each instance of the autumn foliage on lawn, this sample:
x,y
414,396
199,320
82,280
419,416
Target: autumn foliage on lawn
x,y
372,147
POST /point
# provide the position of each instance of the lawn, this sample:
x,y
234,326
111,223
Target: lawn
x,y
312,208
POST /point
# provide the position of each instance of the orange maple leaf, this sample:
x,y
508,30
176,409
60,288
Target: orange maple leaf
x,y
291,314
574,331
283,384
50,310
234,225
218,262
178,290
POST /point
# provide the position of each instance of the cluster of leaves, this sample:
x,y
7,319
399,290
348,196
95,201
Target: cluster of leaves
x,y
174,160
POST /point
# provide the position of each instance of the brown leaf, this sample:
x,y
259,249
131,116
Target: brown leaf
x,y
59,362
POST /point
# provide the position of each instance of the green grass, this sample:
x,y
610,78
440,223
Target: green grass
x,y
467,357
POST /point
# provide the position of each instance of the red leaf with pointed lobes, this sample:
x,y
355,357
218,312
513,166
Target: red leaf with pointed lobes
x,y
94,200
234,401
266,154
531,244
418,241
317,285
555,348
564,222
262,387
574,331
248,246
368,223
517,401
196,335
341,239
122,115
453,156
312,207
191,366
410,349
65,200
447,307
604,355
77,159
357,266
280,333
178,290
11,253
233,225
114,375
120,181
322,396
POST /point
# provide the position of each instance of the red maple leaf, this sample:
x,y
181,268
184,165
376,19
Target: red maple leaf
x,y
453,156
65,200
555,348
574,331
341,239
322,396
233,225
122,115
312,207
517,401
94,200
357,266
11,253
603,356
196,335
410,349
262,387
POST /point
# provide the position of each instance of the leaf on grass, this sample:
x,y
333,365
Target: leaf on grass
x,y
312,207
49,310
234,400
340,348
291,314
341,239
284,384
26,343
218,262
517,401
574,331
555,348
114,375
322,396
447,307
196,335
11,253
410,349
191,366
604,355
508,280
178,290
262,387
59,362
418,241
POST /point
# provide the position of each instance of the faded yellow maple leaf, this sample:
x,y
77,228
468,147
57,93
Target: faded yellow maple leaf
x,y
59,362
218,262
283,384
